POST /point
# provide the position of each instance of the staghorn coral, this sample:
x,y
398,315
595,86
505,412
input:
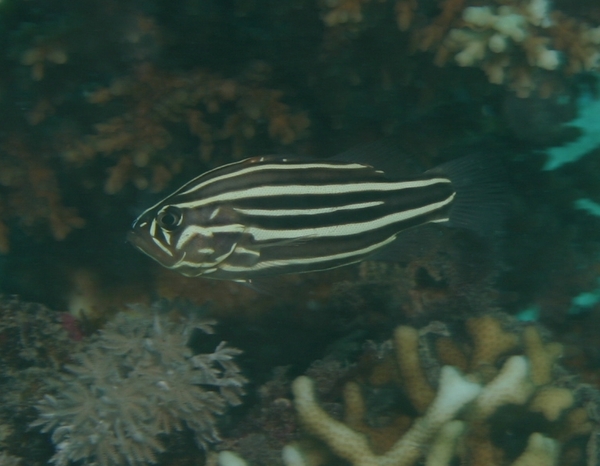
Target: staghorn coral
x,y
454,393
136,380
512,387
143,141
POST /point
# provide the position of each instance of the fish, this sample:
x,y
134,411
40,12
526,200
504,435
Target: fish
x,y
273,215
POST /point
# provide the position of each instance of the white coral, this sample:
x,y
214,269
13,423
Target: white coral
x,y
497,29
454,393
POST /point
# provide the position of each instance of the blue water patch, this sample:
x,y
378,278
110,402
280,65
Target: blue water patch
x,y
583,302
591,207
530,314
589,124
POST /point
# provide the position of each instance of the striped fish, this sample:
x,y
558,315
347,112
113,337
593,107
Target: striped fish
x,y
275,215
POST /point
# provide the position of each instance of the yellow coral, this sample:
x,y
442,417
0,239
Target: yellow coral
x,y
406,340
380,439
490,341
455,392
459,421
443,448
552,402
540,451
542,356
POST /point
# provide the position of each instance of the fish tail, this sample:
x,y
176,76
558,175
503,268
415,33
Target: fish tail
x,y
481,202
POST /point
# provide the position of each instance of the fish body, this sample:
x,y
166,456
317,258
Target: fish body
x,y
275,215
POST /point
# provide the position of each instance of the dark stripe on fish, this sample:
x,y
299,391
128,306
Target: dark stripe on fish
x,y
336,210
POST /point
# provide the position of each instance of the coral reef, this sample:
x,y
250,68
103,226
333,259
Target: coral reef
x,y
106,104
101,126
30,195
89,118
214,110
454,393
431,279
520,45
8,460
34,344
527,46
136,380
269,425
31,334
513,387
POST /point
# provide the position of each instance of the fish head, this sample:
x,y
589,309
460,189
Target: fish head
x,y
155,233
184,239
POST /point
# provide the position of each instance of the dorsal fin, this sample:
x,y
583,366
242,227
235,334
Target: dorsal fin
x,y
385,155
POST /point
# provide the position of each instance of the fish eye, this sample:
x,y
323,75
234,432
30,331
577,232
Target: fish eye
x,y
170,218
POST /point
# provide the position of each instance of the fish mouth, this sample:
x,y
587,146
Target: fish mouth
x,y
134,239
148,247
139,242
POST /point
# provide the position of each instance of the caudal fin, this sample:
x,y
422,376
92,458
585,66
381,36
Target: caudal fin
x,y
481,202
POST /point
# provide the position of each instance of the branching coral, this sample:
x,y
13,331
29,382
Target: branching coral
x,y
137,380
524,45
342,11
520,44
211,109
168,113
30,194
144,127
512,383
38,57
454,392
